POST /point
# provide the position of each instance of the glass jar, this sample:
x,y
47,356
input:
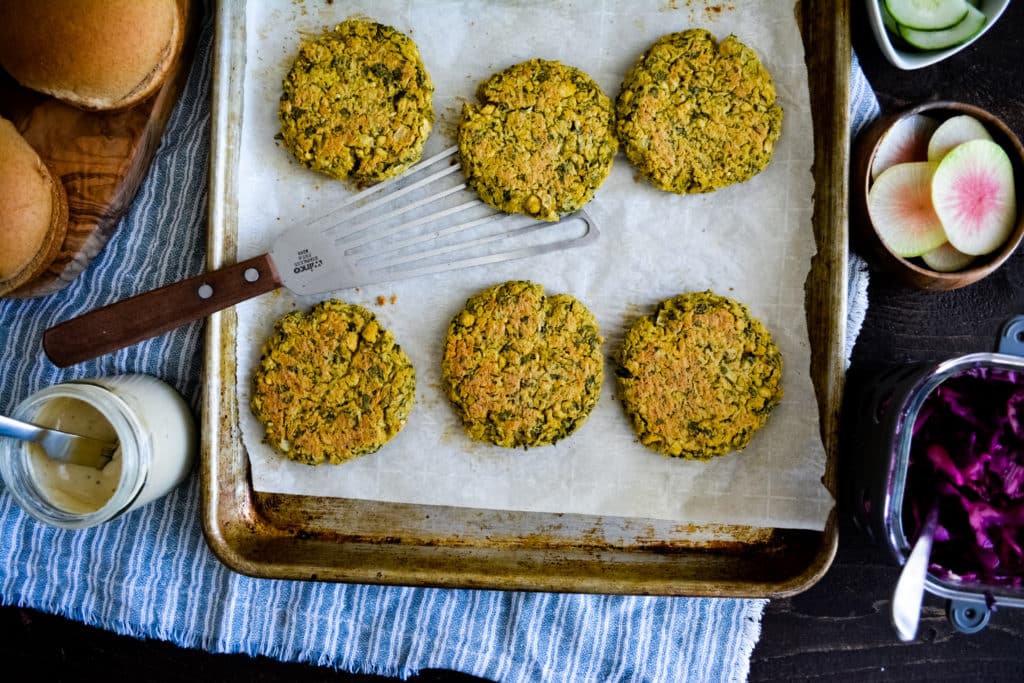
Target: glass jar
x,y
157,443
884,430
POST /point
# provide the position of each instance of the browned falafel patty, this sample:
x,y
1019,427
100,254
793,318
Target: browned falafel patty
x,y
522,368
331,384
699,376
695,115
357,103
540,141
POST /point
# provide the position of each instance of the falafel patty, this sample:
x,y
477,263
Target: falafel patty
x,y
522,368
331,384
695,115
357,103
540,141
698,376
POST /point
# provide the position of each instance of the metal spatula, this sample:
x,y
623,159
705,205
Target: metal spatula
x,y
424,221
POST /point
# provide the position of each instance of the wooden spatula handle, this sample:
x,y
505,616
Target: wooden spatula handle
x,y
147,315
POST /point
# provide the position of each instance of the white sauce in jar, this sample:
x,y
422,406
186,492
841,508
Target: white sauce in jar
x,y
75,488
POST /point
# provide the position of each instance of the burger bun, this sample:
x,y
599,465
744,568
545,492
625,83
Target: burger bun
x,y
93,54
33,211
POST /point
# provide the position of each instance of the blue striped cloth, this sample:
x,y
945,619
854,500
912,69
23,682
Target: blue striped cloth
x,y
150,574
863,109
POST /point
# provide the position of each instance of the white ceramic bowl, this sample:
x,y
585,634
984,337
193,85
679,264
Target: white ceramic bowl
x,y
910,59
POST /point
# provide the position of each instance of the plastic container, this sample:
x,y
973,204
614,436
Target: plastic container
x,y
157,446
883,435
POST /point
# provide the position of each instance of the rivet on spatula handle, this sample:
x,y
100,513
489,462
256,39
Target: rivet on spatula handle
x,y
150,314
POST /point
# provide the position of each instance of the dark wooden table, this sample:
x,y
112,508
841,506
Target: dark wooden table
x,y
838,629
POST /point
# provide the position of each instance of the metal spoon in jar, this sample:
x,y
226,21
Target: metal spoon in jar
x,y
909,594
61,446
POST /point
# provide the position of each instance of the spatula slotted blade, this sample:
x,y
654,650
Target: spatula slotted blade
x,y
425,221
422,222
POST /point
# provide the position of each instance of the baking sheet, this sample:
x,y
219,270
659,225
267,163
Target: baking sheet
x,y
752,242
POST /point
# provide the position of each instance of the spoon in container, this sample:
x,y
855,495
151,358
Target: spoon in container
x,y
61,446
909,593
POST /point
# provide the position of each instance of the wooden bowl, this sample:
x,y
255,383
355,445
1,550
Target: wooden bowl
x,y
913,271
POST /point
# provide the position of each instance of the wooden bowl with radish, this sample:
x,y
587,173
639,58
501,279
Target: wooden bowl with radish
x,y
937,192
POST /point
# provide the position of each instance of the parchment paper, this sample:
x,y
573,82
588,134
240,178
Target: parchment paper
x,y
752,242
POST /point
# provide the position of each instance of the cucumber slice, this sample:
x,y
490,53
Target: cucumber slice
x,y
927,15
938,40
887,21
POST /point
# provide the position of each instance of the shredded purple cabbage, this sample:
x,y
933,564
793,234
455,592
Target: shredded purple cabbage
x,y
967,454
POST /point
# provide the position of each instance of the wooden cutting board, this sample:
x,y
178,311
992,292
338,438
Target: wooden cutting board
x,y
100,157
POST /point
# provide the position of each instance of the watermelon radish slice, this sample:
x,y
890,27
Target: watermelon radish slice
x,y
900,206
906,140
946,258
974,196
955,131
